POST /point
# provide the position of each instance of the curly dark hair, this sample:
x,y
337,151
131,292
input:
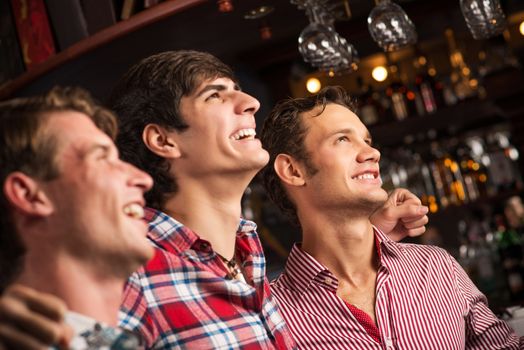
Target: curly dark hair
x,y
150,92
26,147
284,132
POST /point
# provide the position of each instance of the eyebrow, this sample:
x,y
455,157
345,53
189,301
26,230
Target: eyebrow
x,y
351,131
96,147
218,87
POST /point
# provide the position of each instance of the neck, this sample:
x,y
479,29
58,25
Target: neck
x,y
344,244
92,294
211,209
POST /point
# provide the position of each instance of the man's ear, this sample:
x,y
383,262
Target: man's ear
x,y
26,196
160,141
288,170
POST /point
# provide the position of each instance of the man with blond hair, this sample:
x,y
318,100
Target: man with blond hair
x,y
70,212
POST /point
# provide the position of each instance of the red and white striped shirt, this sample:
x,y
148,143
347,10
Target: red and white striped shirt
x,y
424,300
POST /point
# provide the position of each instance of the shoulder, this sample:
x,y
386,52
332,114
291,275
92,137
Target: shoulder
x,y
418,256
424,250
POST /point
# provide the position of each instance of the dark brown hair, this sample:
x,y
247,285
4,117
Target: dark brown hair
x,y
150,92
284,132
25,146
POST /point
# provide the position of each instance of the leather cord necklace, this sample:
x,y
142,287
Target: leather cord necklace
x,y
234,269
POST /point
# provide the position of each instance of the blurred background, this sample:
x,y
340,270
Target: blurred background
x,y
439,84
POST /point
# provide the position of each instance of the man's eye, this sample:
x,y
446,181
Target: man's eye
x,y
343,139
214,95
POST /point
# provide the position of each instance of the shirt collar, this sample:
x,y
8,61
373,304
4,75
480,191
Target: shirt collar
x,y
386,245
303,269
167,232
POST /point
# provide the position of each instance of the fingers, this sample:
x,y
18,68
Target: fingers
x,y
38,317
408,212
46,304
402,196
416,228
416,232
16,339
415,222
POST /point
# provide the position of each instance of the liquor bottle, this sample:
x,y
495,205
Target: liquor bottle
x,y
464,85
475,174
396,92
424,182
412,97
425,85
445,171
510,248
503,167
514,213
368,106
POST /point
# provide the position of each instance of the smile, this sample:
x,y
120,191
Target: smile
x,y
366,176
244,134
134,210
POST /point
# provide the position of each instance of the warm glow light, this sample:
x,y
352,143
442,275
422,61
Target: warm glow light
x,y
225,5
313,85
521,28
379,73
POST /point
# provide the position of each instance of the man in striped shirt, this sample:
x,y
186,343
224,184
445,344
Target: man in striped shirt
x,y
347,285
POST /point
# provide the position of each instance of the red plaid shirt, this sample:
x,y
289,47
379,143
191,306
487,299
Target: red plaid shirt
x,y
181,298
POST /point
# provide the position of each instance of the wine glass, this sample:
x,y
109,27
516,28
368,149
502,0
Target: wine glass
x,y
321,46
317,42
390,26
484,18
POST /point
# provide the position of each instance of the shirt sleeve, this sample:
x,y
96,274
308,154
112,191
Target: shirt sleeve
x,y
133,313
483,329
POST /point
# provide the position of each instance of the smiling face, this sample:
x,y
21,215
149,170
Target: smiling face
x,y
97,198
221,135
347,173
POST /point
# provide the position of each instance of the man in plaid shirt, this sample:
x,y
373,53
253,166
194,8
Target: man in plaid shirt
x,y
185,121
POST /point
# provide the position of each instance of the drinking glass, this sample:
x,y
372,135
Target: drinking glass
x,y
484,18
390,27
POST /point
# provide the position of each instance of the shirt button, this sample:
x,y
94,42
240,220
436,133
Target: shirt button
x,y
328,280
389,343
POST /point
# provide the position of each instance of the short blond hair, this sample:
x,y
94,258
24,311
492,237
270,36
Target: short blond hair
x,y
25,147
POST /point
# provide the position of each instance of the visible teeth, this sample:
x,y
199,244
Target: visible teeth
x,y
244,133
365,176
134,210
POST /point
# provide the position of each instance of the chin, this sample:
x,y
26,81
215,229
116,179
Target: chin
x,y
262,158
140,257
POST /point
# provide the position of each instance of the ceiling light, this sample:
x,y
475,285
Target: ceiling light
x,y
258,12
379,73
265,31
521,28
313,85
225,5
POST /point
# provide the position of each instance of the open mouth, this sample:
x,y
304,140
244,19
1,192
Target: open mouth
x,y
244,134
134,210
372,175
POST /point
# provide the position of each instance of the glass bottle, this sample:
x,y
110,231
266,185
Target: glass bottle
x,y
396,92
368,106
510,249
464,85
425,85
